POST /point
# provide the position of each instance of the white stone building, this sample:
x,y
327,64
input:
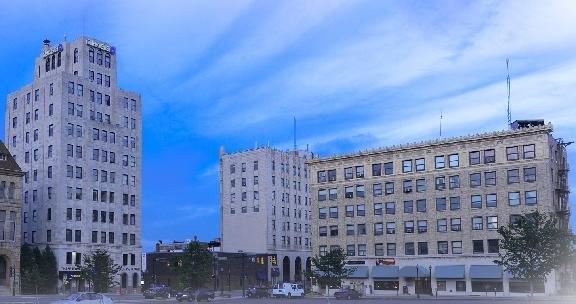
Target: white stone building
x,y
77,138
423,217
265,208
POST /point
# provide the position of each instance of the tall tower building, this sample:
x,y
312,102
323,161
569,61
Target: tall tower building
x,y
265,208
77,138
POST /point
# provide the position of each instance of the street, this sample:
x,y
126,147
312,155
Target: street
x,y
129,299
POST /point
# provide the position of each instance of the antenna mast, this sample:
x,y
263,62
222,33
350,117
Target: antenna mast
x,y
294,133
508,85
440,124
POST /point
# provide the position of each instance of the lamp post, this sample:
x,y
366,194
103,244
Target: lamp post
x,y
13,276
430,276
416,283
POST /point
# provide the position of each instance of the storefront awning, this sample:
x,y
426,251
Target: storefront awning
x,y
358,272
485,272
449,272
411,272
385,272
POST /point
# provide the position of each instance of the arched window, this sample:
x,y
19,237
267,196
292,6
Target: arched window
x,y
59,59
47,63
75,55
123,280
99,57
53,66
107,60
91,55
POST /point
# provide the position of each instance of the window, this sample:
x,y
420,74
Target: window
x,y
376,169
422,226
361,229
359,190
359,171
322,231
409,248
391,228
454,181
422,248
513,198
530,174
513,176
68,235
391,249
407,166
349,211
455,224
333,212
377,189
489,156
360,210
333,193
440,183
440,204
491,200
408,207
420,185
456,247
454,160
332,175
420,164
474,157
493,246
442,247
421,205
409,227
492,222
455,203
407,186
388,168
512,153
476,201
477,246
348,173
391,208
348,192
377,208
442,225
477,223
439,161
530,197
529,151
378,229
334,230
351,250
490,178
350,229
475,180
321,192
378,249
389,188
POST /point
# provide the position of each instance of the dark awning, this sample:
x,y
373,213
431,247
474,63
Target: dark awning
x,y
358,272
410,271
385,272
449,272
485,272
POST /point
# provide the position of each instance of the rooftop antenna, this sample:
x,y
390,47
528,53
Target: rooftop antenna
x,y
440,124
508,86
294,133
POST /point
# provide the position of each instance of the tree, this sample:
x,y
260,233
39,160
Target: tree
x,y
30,277
533,246
330,268
48,268
194,265
99,270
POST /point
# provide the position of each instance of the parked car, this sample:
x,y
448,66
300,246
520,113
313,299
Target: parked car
x,y
204,295
288,290
158,292
85,298
258,292
348,294
186,295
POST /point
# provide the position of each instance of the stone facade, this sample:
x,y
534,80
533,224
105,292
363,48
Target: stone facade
x,y
10,212
434,204
265,208
77,137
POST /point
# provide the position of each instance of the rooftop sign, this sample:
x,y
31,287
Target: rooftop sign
x,y
102,46
52,50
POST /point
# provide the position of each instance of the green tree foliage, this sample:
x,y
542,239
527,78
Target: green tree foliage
x,y
330,268
38,270
194,265
533,246
99,270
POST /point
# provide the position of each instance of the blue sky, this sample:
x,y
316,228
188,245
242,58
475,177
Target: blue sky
x,y
356,74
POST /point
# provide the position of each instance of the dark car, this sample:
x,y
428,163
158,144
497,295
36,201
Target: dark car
x,y
347,294
186,295
258,292
158,292
204,295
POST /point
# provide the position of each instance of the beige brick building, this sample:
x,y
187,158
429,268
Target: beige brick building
x,y
423,217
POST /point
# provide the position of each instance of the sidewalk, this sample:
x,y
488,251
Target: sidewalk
x,y
537,298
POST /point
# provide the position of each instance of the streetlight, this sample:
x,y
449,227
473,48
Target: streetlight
x,y
430,275
13,275
416,283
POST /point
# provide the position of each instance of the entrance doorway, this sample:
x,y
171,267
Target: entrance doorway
x,y
423,286
298,269
286,269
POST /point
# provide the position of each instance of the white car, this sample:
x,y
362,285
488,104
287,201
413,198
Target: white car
x,y
288,290
85,298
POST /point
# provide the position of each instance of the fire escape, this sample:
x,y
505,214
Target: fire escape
x,y
562,189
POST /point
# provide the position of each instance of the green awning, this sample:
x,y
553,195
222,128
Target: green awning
x,y
385,272
411,272
485,272
449,272
358,272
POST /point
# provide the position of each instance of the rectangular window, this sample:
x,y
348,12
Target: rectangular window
x,y
377,208
407,166
492,222
378,228
422,248
513,198
513,176
407,186
321,193
361,229
421,205
442,247
333,212
359,171
420,185
376,169
440,183
491,200
476,201
478,246
440,204
422,226
348,192
409,248
408,207
351,250
377,189
493,246
440,161
490,178
530,197
442,225
455,203
332,175
475,180
474,157
348,173
454,181
334,230
391,208
489,156
349,211
333,193
530,174
454,160
388,168
360,210
455,224
512,153
409,227
379,249
529,151
456,247
420,164
359,190
389,188
391,249
477,223
391,228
